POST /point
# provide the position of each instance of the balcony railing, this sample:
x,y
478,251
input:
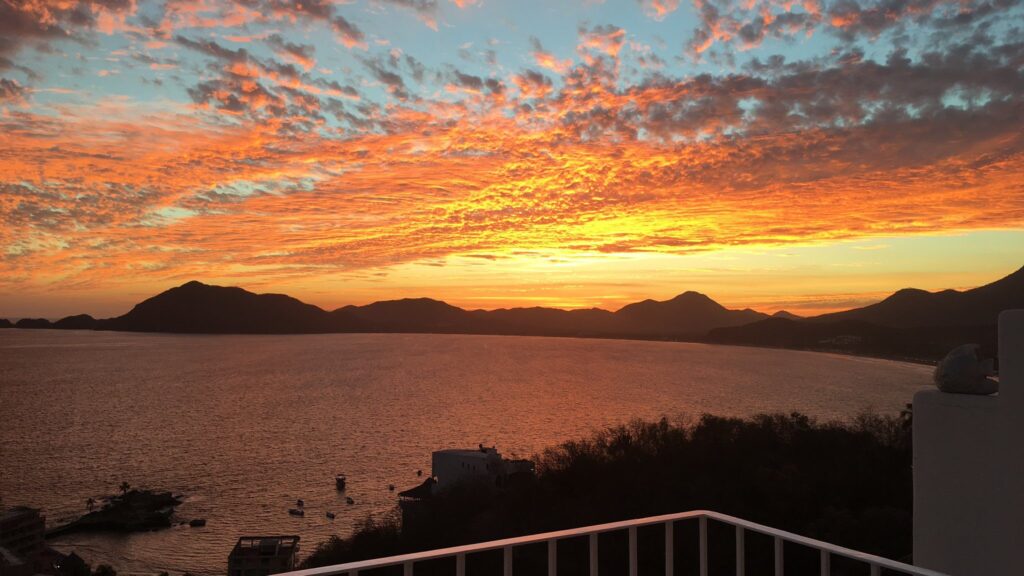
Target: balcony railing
x,y
780,537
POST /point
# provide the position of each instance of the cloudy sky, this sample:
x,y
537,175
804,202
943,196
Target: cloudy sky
x,y
805,155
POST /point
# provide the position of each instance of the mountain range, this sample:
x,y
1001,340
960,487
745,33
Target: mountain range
x,y
911,323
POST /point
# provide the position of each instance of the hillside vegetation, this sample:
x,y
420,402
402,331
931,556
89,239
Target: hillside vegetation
x,y
846,483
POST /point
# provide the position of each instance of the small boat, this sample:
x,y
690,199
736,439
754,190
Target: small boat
x,y
349,500
296,512
419,472
330,515
300,503
391,487
339,481
197,522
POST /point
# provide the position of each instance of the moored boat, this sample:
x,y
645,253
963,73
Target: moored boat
x,y
339,481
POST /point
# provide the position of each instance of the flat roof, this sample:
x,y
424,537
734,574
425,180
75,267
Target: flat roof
x,y
468,451
265,545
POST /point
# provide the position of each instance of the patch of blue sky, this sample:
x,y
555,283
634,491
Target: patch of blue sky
x,y
165,216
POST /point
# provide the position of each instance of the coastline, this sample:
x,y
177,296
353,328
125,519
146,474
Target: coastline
x,y
619,337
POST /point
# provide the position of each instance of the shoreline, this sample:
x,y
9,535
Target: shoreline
x,y
623,338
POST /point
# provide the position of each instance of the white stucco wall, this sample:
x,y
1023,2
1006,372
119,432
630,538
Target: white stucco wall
x,y
969,471
453,466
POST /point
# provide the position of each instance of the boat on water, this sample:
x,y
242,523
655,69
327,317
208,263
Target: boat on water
x,y
330,515
339,481
296,512
349,500
300,503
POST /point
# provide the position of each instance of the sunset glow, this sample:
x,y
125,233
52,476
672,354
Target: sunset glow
x,y
495,154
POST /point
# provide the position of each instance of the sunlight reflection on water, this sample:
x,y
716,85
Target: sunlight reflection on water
x,y
245,425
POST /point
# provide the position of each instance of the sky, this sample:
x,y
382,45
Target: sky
x,y
805,155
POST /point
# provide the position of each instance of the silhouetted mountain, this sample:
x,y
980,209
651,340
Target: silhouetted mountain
x,y
909,324
551,321
33,323
5,323
198,308
79,322
415,315
689,314
910,307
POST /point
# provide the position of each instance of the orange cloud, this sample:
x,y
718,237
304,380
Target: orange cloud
x,y
272,171
247,201
658,9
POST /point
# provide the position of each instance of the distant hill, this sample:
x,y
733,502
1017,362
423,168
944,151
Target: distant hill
x,y
5,323
415,315
33,323
78,322
910,307
690,314
195,307
911,323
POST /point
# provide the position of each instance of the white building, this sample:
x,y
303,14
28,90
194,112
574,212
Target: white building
x,y
452,466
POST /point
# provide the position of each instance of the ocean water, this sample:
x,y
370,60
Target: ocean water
x,y
243,426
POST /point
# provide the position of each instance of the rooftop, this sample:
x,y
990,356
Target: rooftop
x,y
265,545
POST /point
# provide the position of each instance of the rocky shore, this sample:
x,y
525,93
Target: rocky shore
x,y
133,511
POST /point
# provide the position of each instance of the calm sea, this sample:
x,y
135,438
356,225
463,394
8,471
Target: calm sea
x,y
245,425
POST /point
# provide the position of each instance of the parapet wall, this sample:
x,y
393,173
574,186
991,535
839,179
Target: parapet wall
x,y
969,471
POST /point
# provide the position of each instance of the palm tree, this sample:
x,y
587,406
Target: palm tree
x,y
125,487
90,504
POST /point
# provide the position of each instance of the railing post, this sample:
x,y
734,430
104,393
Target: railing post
x,y
670,544
780,564
875,570
632,551
826,563
507,561
593,554
741,552
460,565
407,569
703,524
552,557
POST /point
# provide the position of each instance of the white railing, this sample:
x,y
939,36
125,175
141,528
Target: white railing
x,y
781,537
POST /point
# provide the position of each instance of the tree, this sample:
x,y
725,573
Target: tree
x,y
104,570
72,565
90,504
125,487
